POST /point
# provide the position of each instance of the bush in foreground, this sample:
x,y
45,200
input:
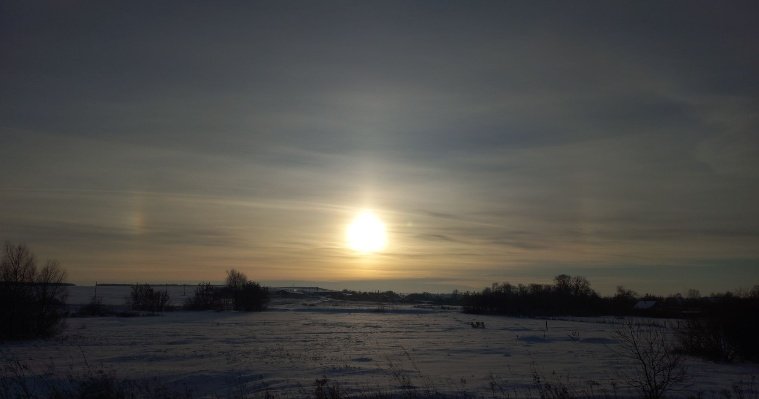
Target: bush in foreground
x,y
725,329
17,381
32,300
657,367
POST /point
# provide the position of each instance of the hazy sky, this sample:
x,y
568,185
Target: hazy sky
x,y
499,141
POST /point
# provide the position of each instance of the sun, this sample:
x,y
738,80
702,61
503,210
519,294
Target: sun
x,y
366,233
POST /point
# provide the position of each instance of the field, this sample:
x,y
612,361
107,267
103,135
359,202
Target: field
x,y
368,348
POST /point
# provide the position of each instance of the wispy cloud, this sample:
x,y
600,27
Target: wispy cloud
x,y
495,139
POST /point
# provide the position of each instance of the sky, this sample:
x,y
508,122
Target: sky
x,y
497,140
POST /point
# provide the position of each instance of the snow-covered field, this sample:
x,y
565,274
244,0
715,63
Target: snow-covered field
x,y
366,347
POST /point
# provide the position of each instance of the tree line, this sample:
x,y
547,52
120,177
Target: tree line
x,y
721,327
33,298
567,296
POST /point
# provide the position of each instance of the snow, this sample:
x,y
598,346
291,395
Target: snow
x,y
365,347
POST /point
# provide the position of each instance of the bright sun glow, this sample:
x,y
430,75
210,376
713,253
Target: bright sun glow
x,y
366,233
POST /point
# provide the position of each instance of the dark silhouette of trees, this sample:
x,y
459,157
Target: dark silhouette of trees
x,y
32,300
623,301
453,298
251,298
567,296
207,297
236,280
361,296
237,293
722,327
246,295
144,297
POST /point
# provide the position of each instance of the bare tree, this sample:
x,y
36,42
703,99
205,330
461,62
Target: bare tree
x,y
235,279
657,367
31,300
18,264
51,293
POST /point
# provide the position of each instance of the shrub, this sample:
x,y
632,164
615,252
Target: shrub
x,y
32,301
725,330
144,297
252,297
207,297
19,381
246,295
238,292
